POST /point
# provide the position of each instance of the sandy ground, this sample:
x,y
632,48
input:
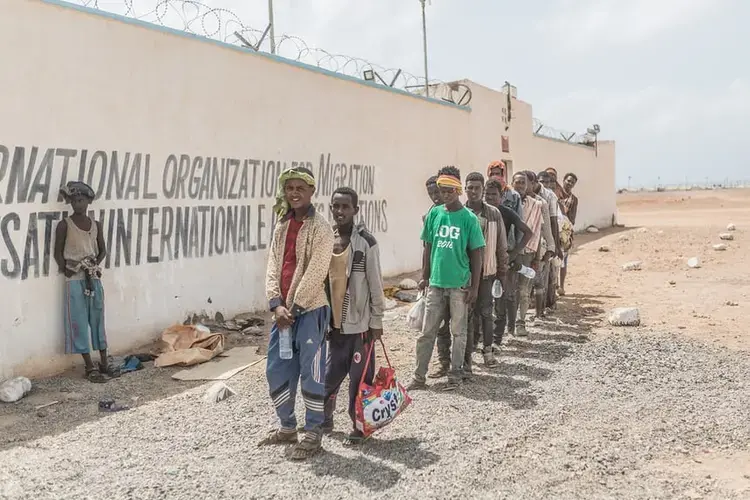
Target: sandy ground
x,y
578,410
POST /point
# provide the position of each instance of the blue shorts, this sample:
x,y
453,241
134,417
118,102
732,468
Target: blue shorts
x,y
83,314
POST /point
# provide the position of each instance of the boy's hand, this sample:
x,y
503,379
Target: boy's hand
x,y
68,273
471,295
375,334
283,317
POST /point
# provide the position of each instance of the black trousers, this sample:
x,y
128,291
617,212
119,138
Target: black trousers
x,y
346,357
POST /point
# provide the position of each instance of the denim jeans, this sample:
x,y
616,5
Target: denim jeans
x,y
436,301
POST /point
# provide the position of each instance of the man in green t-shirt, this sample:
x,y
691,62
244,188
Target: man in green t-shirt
x,y
451,272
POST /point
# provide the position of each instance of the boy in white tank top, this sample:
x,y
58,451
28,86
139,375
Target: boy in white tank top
x,y
79,249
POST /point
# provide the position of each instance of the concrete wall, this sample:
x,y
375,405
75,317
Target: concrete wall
x,y
183,140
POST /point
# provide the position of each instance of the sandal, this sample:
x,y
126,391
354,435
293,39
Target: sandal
x,y
309,446
355,438
111,371
94,376
279,436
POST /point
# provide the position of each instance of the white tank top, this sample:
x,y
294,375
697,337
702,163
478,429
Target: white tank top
x,y
79,244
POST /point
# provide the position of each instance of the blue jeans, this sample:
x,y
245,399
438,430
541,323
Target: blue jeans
x,y
436,301
308,363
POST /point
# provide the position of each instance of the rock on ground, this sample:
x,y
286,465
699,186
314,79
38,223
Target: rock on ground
x,y
604,248
592,229
408,284
731,227
726,236
624,316
720,247
636,265
694,263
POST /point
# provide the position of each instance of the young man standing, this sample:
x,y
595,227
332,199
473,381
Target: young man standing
x,y
494,267
546,191
546,248
298,265
569,206
509,196
444,334
79,249
355,287
451,269
507,306
533,210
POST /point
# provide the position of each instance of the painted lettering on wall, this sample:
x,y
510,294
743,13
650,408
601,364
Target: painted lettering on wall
x,y
180,207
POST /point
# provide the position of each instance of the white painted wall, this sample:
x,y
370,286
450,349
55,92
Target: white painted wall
x,y
84,82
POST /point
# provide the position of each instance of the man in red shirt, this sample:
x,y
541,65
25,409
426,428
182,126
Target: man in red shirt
x,y
298,262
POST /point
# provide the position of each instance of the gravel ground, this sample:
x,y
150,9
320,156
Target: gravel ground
x,y
563,416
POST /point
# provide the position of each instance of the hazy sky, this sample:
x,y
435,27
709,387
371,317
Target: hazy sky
x,y
669,80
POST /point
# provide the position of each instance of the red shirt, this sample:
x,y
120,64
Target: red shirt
x,y
290,257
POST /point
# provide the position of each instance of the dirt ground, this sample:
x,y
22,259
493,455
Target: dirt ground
x,y
664,230
705,305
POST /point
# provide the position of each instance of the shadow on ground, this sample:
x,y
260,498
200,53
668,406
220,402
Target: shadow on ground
x,y
368,468
525,360
76,400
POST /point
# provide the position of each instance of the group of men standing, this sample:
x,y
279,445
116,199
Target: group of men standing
x,y
324,285
500,233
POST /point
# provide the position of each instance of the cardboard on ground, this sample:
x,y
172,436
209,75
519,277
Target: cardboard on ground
x,y
223,367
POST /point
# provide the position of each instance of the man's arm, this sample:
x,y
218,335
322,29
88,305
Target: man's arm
x,y
61,233
317,269
375,281
547,227
426,256
100,243
573,211
475,260
273,284
501,248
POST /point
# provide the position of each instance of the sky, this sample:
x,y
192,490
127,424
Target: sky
x,y
668,80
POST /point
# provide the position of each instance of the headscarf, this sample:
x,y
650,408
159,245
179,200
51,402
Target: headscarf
x,y
77,188
450,181
498,164
281,207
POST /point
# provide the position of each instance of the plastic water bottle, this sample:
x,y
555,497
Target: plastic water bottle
x,y
497,289
527,272
285,343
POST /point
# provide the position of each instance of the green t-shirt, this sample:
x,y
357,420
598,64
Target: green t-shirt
x,y
452,235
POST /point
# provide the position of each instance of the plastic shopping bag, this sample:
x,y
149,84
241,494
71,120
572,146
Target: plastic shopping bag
x,y
379,404
415,318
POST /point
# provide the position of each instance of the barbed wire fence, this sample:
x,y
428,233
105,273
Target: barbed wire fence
x,y
222,24
543,130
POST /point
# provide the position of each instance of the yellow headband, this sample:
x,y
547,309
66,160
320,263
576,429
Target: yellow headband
x,y
449,181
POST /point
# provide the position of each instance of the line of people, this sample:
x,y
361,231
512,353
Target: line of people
x,y
324,285
500,230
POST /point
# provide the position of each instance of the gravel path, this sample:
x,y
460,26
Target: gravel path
x,y
620,416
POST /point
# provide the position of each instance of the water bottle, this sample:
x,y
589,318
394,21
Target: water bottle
x,y
497,289
527,272
285,343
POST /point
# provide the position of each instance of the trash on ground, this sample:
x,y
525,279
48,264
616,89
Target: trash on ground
x,y
109,405
46,405
624,316
694,262
14,389
731,227
731,303
218,392
408,284
636,265
253,330
604,248
726,236
391,291
131,363
187,345
232,362
720,247
592,229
